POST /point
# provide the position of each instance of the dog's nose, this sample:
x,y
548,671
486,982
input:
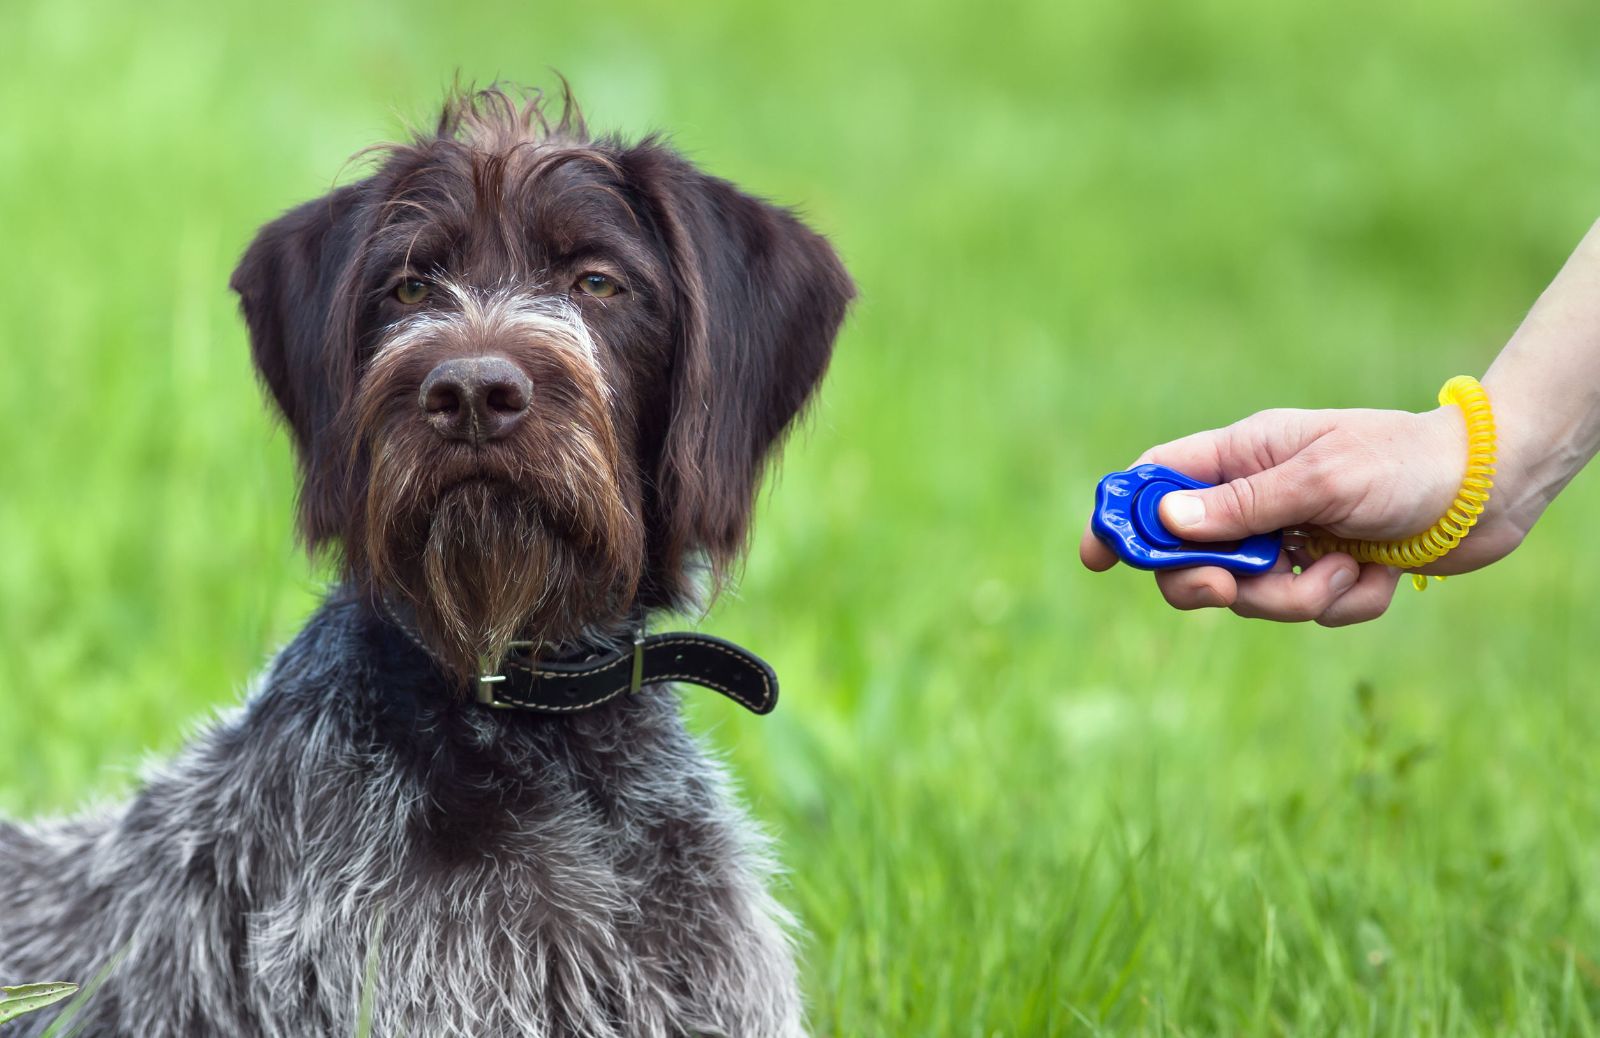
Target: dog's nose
x,y
475,398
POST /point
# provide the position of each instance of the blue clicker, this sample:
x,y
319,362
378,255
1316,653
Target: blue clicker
x,y
1125,518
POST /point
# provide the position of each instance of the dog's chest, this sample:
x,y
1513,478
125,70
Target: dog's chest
x,y
351,839
586,873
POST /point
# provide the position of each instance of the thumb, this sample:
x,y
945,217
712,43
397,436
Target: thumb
x,y
1261,503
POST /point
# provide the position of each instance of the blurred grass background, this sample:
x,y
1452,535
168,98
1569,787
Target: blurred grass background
x,y
1016,799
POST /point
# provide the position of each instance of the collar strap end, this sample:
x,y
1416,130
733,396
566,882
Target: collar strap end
x,y
637,681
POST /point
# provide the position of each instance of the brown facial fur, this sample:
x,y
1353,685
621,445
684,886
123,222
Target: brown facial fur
x,y
653,412
535,533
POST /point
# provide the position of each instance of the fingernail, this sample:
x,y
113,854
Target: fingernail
x,y
1341,581
1184,510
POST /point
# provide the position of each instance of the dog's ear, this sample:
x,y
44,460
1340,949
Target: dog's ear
x,y
760,298
295,288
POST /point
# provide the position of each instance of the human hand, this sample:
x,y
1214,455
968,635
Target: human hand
x,y
1362,474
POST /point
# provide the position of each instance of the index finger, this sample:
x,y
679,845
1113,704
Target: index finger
x,y
1094,553
1198,456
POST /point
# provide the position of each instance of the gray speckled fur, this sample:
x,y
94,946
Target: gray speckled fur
x,y
536,876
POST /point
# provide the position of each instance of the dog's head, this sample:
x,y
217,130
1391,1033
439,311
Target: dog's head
x,y
532,377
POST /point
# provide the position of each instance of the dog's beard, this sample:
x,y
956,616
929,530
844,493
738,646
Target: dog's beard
x,y
488,564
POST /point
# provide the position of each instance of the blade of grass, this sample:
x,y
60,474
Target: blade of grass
x,y
26,998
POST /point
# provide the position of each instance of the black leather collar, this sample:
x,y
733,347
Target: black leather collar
x,y
590,678
569,685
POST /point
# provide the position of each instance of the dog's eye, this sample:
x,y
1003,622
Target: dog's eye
x,y
411,291
598,285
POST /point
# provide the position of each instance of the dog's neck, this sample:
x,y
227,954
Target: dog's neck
x,y
543,679
595,639
399,654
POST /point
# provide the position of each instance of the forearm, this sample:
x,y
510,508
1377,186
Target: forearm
x,y
1545,390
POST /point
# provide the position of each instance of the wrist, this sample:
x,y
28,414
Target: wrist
x,y
1534,456
1443,483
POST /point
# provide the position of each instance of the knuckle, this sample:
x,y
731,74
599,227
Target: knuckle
x,y
1244,609
1302,612
1255,605
1167,584
1308,604
1241,500
1176,599
1189,590
1240,438
1317,469
1179,596
1381,604
1318,460
1342,615
1279,422
1253,611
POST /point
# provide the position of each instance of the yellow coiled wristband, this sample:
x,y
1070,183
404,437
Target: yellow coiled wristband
x,y
1435,542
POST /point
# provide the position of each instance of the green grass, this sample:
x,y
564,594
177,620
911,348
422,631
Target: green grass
x,y
1016,799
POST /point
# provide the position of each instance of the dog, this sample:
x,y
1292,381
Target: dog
x,y
532,378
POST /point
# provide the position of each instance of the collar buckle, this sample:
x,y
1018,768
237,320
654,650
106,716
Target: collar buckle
x,y
487,681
